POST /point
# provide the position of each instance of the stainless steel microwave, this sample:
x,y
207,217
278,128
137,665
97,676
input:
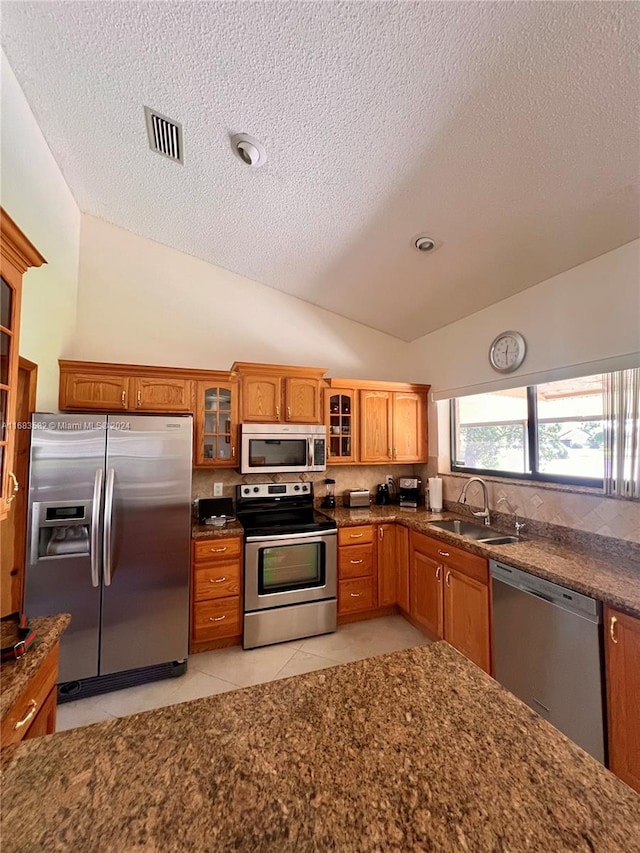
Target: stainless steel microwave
x,y
282,448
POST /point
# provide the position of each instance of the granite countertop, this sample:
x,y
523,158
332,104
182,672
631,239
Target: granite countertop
x,y
416,750
613,578
208,531
16,675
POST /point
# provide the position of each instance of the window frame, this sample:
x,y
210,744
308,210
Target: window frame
x,y
534,475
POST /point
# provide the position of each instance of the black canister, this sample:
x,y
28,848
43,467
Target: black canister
x,y
382,494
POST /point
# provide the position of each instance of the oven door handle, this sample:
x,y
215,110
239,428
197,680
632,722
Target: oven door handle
x,y
280,537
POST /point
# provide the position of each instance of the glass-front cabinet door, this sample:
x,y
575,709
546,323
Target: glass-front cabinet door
x,y
342,423
217,425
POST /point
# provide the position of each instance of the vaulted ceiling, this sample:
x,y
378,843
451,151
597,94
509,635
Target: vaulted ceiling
x,y
508,132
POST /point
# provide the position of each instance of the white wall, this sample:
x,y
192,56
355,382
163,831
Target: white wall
x,y
145,303
589,314
36,196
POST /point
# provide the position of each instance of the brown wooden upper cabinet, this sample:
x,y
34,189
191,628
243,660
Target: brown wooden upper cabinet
x,y
112,388
341,415
393,426
279,393
216,424
17,255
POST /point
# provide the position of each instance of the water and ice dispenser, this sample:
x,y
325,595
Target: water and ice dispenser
x,y
61,529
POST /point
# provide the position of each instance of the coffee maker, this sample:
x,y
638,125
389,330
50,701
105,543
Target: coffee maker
x,y
409,491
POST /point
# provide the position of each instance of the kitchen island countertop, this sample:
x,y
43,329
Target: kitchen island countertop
x,y
416,750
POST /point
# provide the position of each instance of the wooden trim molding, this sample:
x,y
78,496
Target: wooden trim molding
x,y
147,370
16,248
248,367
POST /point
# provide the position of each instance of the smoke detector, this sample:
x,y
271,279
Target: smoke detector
x,y
248,149
425,244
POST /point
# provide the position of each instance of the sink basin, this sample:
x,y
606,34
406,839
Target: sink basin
x,y
464,528
475,531
500,540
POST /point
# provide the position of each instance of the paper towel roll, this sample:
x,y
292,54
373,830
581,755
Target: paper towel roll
x,y
435,494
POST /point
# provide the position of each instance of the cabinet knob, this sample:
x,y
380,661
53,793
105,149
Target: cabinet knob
x,y
443,553
217,580
289,411
438,572
217,550
355,562
356,595
139,398
389,454
356,535
123,399
381,532
446,578
277,411
233,452
612,630
216,618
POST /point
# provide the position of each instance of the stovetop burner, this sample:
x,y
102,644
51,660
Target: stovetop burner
x,y
267,509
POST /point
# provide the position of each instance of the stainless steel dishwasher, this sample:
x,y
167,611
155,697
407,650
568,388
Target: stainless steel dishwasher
x,y
548,651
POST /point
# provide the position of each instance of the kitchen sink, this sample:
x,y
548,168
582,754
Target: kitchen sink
x,y
464,528
476,532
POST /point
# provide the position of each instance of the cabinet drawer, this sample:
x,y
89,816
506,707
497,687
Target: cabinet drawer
x,y
215,619
16,724
456,558
218,580
355,561
210,550
355,535
356,594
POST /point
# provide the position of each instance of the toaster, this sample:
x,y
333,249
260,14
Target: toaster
x,y
357,497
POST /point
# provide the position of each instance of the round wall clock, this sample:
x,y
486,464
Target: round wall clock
x,y
507,352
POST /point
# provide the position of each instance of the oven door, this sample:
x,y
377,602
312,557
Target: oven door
x,y
291,568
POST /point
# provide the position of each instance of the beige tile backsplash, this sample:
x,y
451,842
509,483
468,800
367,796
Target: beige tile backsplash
x,y
580,510
591,513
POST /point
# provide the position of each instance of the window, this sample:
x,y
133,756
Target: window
x,y
549,432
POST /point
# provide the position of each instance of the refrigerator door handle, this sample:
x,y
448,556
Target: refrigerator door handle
x,y
108,517
95,528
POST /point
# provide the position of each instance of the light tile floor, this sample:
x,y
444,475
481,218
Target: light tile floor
x,y
228,669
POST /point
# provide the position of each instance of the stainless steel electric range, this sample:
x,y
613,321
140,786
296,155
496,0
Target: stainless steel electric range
x,y
290,564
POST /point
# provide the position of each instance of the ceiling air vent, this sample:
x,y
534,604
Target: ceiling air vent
x,y
165,135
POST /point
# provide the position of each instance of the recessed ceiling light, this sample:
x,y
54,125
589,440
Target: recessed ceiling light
x,y
425,244
248,149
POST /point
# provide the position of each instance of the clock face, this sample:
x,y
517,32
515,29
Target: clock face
x,y
507,352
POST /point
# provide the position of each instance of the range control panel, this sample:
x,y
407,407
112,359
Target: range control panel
x,y
273,490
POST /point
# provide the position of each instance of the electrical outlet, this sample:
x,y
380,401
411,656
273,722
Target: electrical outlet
x,y
217,490
389,480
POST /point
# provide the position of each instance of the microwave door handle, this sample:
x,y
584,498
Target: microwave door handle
x,y
310,453
95,528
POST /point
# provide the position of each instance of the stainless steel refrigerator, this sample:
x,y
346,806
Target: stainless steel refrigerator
x,y
109,530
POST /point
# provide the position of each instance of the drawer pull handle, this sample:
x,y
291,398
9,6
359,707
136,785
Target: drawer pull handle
x,y
123,399
356,535
438,570
289,412
443,553
217,550
356,595
612,630
33,705
446,578
356,562
216,618
278,412
217,580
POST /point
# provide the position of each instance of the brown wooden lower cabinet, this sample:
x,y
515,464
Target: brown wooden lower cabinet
x,y
402,564
449,596
387,565
622,651
216,593
357,587
34,712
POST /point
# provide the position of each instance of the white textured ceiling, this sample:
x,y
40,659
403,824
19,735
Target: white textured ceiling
x,y
507,131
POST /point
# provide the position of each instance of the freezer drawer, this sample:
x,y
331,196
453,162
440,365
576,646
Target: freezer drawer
x,y
547,650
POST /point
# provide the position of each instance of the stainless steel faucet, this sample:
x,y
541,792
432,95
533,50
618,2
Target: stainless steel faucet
x,y
517,523
484,513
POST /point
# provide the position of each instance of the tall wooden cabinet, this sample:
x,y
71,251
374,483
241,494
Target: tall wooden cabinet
x,y
216,412
341,417
17,255
622,650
